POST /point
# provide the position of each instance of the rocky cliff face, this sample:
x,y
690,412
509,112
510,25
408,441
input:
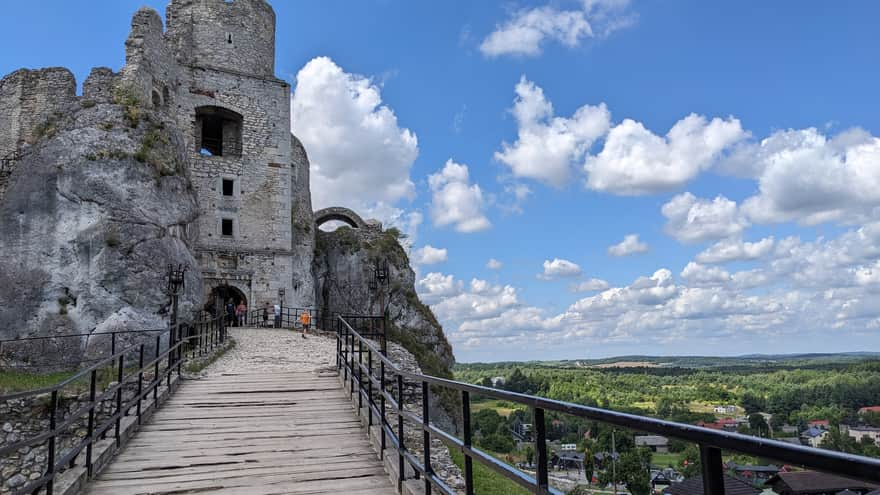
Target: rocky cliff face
x,y
343,268
98,205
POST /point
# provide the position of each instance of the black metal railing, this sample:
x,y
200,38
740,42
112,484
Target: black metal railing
x,y
125,370
64,351
374,378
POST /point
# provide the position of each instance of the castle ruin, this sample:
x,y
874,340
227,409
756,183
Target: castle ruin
x,y
212,72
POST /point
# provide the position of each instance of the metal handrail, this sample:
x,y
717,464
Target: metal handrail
x,y
210,333
711,442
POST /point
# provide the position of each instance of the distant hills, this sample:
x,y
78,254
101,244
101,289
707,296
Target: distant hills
x,y
694,362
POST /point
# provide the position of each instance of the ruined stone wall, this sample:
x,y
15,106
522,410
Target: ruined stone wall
x,y
303,227
151,71
215,53
98,87
29,101
237,36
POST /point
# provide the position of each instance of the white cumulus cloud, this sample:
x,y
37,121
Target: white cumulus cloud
x,y
456,201
547,146
591,285
629,245
692,219
559,268
733,249
808,177
636,161
359,154
429,255
528,29
494,264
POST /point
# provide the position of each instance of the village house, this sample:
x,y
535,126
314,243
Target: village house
x,y
813,436
694,486
816,483
656,443
729,409
862,431
869,409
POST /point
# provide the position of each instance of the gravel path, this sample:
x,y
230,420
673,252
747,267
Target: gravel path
x,y
270,349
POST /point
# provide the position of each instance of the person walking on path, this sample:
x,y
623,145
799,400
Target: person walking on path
x,y
305,319
231,320
266,315
277,311
241,313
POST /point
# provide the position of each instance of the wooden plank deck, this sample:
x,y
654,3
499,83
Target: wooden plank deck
x,y
253,433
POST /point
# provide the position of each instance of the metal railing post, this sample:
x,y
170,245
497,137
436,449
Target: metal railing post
x,y
50,460
156,368
338,347
426,436
401,444
541,480
383,419
119,399
93,380
140,380
466,427
351,365
360,378
369,389
713,470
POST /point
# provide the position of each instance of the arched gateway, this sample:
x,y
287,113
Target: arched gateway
x,y
340,214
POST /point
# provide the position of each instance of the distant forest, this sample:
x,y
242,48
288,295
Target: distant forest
x,y
794,389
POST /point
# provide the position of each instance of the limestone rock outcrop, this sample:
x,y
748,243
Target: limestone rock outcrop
x,y
98,204
344,264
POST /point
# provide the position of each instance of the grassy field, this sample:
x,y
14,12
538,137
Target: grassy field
x,y
665,460
17,381
486,481
502,407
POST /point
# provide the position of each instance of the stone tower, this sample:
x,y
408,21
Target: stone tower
x,y
213,70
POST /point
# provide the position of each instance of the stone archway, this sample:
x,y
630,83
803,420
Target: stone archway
x,y
221,295
340,214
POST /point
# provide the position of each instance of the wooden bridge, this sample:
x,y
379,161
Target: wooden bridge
x,y
285,415
252,433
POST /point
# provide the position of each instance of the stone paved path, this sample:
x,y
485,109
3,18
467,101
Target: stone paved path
x,y
269,349
268,417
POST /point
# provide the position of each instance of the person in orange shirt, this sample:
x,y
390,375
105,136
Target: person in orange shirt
x,y
305,319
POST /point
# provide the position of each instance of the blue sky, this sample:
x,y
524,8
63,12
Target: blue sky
x,y
756,218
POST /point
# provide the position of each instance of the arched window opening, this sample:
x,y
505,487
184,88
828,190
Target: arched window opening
x,y
157,100
218,132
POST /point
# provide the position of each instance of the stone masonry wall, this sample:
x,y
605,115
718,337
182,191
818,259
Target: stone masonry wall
x,y
237,36
29,101
193,65
303,227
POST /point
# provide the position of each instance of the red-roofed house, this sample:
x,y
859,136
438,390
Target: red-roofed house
x,y
713,426
818,423
872,409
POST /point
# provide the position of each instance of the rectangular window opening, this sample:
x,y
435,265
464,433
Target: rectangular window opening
x,y
212,136
226,227
228,187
